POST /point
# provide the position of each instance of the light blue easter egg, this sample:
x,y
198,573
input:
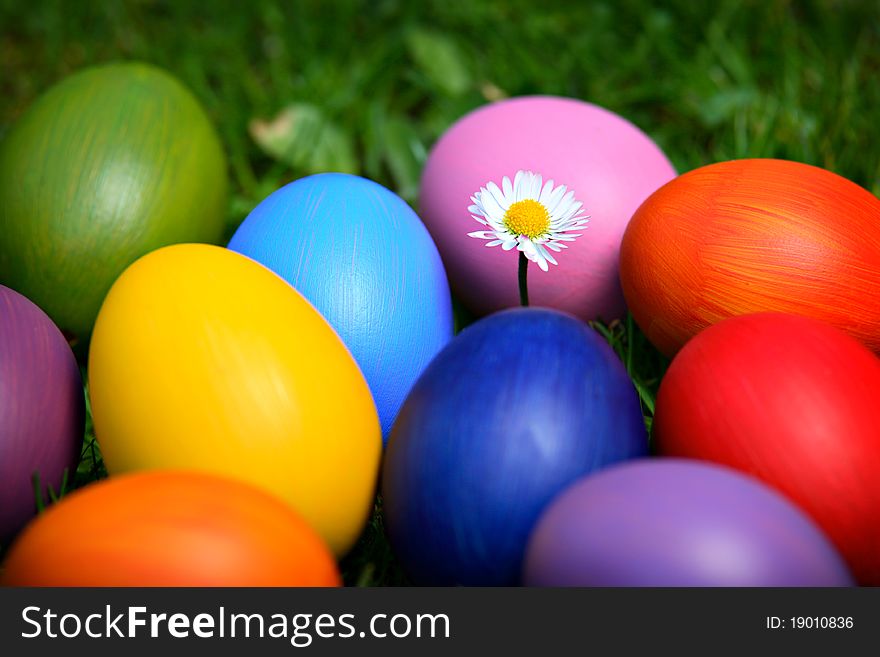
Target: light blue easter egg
x,y
366,262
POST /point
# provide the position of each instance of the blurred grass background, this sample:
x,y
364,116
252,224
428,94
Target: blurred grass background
x,y
375,83
303,86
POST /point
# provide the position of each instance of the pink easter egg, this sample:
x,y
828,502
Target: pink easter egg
x,y
610,164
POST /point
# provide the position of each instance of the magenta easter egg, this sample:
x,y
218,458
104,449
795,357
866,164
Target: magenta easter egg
x,y
608,163
41,408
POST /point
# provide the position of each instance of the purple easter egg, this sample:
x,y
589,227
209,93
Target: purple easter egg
x,y
675,522
41,408
609,164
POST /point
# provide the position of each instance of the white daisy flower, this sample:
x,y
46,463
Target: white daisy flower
x,y
533,216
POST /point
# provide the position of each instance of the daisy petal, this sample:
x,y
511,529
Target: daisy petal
x,y
538,257
571,211
497,196
508,189
492,209
546,255
489,207
563,204
527,247
546,193
535,186
518,185
553,202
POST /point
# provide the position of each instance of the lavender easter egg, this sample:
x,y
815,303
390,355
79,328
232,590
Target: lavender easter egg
x,y
363,258
608,163
41,408
513,410
675,522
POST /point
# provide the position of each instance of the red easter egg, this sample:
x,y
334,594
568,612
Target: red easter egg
x,y
792,401
752,236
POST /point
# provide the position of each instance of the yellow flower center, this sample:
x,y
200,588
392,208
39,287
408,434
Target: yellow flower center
x,y
527,217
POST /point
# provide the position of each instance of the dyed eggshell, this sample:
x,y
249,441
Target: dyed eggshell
x,y
513,410
363,258
674,522
168,528
610,164
41,409
202,358
793,402
751,236
109,164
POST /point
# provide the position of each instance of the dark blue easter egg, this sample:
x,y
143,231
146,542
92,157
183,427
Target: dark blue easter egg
x,y
512,411
364,259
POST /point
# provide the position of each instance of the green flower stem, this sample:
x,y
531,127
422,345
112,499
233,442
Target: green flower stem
x,y
523,279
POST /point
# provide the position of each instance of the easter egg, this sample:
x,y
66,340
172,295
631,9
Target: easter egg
x,y
108,164
170,528
41,409
202,358
509,413
363,258
752,236
792,401
674,522
604,160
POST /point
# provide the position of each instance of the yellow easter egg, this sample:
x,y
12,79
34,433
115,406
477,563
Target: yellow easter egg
x,y
204,359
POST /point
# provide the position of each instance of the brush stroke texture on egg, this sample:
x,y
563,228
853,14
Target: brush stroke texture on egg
x,y
107,165
42,413
514,409
362,257
751,236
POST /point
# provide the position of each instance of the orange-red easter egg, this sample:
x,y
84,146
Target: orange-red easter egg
x,y
170,528
750,236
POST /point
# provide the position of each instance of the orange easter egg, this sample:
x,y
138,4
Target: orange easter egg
x,y
169,528
749,236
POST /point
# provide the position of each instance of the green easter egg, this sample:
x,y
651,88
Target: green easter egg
x,y
109,164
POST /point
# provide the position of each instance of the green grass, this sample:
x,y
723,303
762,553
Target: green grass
x,y
371,85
